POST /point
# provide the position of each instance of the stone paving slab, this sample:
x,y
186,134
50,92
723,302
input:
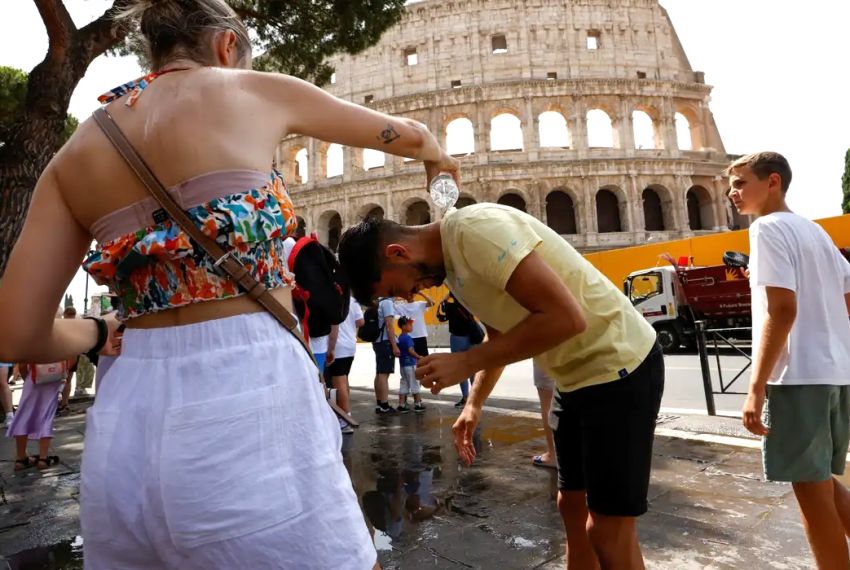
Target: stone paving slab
x,y
709,508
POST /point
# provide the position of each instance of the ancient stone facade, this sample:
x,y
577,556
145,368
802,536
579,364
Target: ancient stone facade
x,y
567,84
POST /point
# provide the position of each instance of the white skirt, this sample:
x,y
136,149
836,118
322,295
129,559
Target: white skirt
x,y
211,446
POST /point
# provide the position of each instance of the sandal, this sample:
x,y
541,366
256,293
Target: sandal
x,y
48,461
26,462
63,409
537,460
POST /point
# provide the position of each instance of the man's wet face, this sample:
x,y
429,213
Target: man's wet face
x,y
406,279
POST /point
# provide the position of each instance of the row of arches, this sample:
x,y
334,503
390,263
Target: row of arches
x,y
561,212
506,135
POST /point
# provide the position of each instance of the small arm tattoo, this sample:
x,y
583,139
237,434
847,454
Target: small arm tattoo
x,y
389,135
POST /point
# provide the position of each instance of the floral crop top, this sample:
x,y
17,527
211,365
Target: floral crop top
x,y
158,267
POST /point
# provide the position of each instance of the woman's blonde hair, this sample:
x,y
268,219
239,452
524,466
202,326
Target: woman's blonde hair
x,y
174,29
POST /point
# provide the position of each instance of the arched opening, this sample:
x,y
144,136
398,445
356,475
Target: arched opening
x,y
464,201
330,228
560,212
684,138
460,137
644,130
600,131
505,132
700,209
334,160
653,213
418,213
376,213
553,130
301,230
334,231
373,159
608,212
513,200
302,167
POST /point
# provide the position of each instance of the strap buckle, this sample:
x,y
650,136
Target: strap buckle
x,y
223,258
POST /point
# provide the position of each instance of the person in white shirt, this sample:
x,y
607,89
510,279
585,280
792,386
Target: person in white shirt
x,y
801,345
415,311
341,349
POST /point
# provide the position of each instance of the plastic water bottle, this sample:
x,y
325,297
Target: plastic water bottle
x,y
444,191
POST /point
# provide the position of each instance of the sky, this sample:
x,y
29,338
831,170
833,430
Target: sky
x,y
778,67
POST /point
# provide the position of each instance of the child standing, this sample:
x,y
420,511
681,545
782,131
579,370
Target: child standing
x,y
801,352
407,361
34,420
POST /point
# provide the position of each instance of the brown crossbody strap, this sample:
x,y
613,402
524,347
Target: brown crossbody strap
x,y
231,266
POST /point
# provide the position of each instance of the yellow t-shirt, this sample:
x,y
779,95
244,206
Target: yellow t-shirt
x,y
484,243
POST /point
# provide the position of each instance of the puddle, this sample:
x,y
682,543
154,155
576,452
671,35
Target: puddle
x,y
67,555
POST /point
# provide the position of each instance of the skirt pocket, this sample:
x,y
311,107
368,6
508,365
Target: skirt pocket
x,y
225,470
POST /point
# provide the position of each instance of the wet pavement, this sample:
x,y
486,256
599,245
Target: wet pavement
x,y
708,506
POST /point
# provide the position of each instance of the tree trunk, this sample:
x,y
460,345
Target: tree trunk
x,y
37,134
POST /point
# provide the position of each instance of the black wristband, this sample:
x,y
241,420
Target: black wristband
x,y
102,336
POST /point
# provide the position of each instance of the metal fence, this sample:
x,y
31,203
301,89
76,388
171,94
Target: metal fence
x,y
716,340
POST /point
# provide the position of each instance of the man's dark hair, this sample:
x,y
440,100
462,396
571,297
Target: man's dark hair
x,y
360,255
763,164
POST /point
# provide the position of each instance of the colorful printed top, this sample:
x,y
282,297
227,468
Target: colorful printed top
x,y
158,267
151,264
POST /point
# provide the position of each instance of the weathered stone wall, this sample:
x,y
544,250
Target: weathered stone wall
x,y
542,62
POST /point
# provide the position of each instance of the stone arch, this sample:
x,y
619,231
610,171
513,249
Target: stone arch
x,y
600,129
653,211
700,208
514,200
460,137
371,210
301,165
506,132
552,130
373,159
684,132
644,130
301,229
609,210
465,200
330,228
334,160
561,212
417,213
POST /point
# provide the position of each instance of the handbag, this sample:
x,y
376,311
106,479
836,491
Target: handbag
x,y
224,260
49,373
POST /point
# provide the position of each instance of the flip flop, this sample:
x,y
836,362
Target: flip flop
x,y
537,461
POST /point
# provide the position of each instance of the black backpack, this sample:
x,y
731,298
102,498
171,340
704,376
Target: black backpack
x,y
322,294
372,328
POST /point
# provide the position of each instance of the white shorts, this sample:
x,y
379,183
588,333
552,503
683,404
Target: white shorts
x,y
211,446
408,383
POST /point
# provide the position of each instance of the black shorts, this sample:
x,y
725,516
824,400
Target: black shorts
x,y
603,438
420,345
384,358
340,366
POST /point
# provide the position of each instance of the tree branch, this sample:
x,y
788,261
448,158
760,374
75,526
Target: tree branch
x,y
101,34
59,25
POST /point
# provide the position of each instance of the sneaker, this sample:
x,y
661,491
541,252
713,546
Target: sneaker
x,y
347,429
403,409
461,403
419,407
8,419
386,409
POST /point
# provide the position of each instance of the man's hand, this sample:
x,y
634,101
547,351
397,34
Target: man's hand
x,y
443,369
752,412
330,357
396,351
463,430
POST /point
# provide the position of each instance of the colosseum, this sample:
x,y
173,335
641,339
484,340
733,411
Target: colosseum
x,y
584,113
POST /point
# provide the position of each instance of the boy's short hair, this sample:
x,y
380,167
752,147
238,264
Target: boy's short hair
x,y
404,320
763,164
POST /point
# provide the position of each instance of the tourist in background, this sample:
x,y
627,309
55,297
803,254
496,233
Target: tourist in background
x,y
415,311
460,323
341,350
